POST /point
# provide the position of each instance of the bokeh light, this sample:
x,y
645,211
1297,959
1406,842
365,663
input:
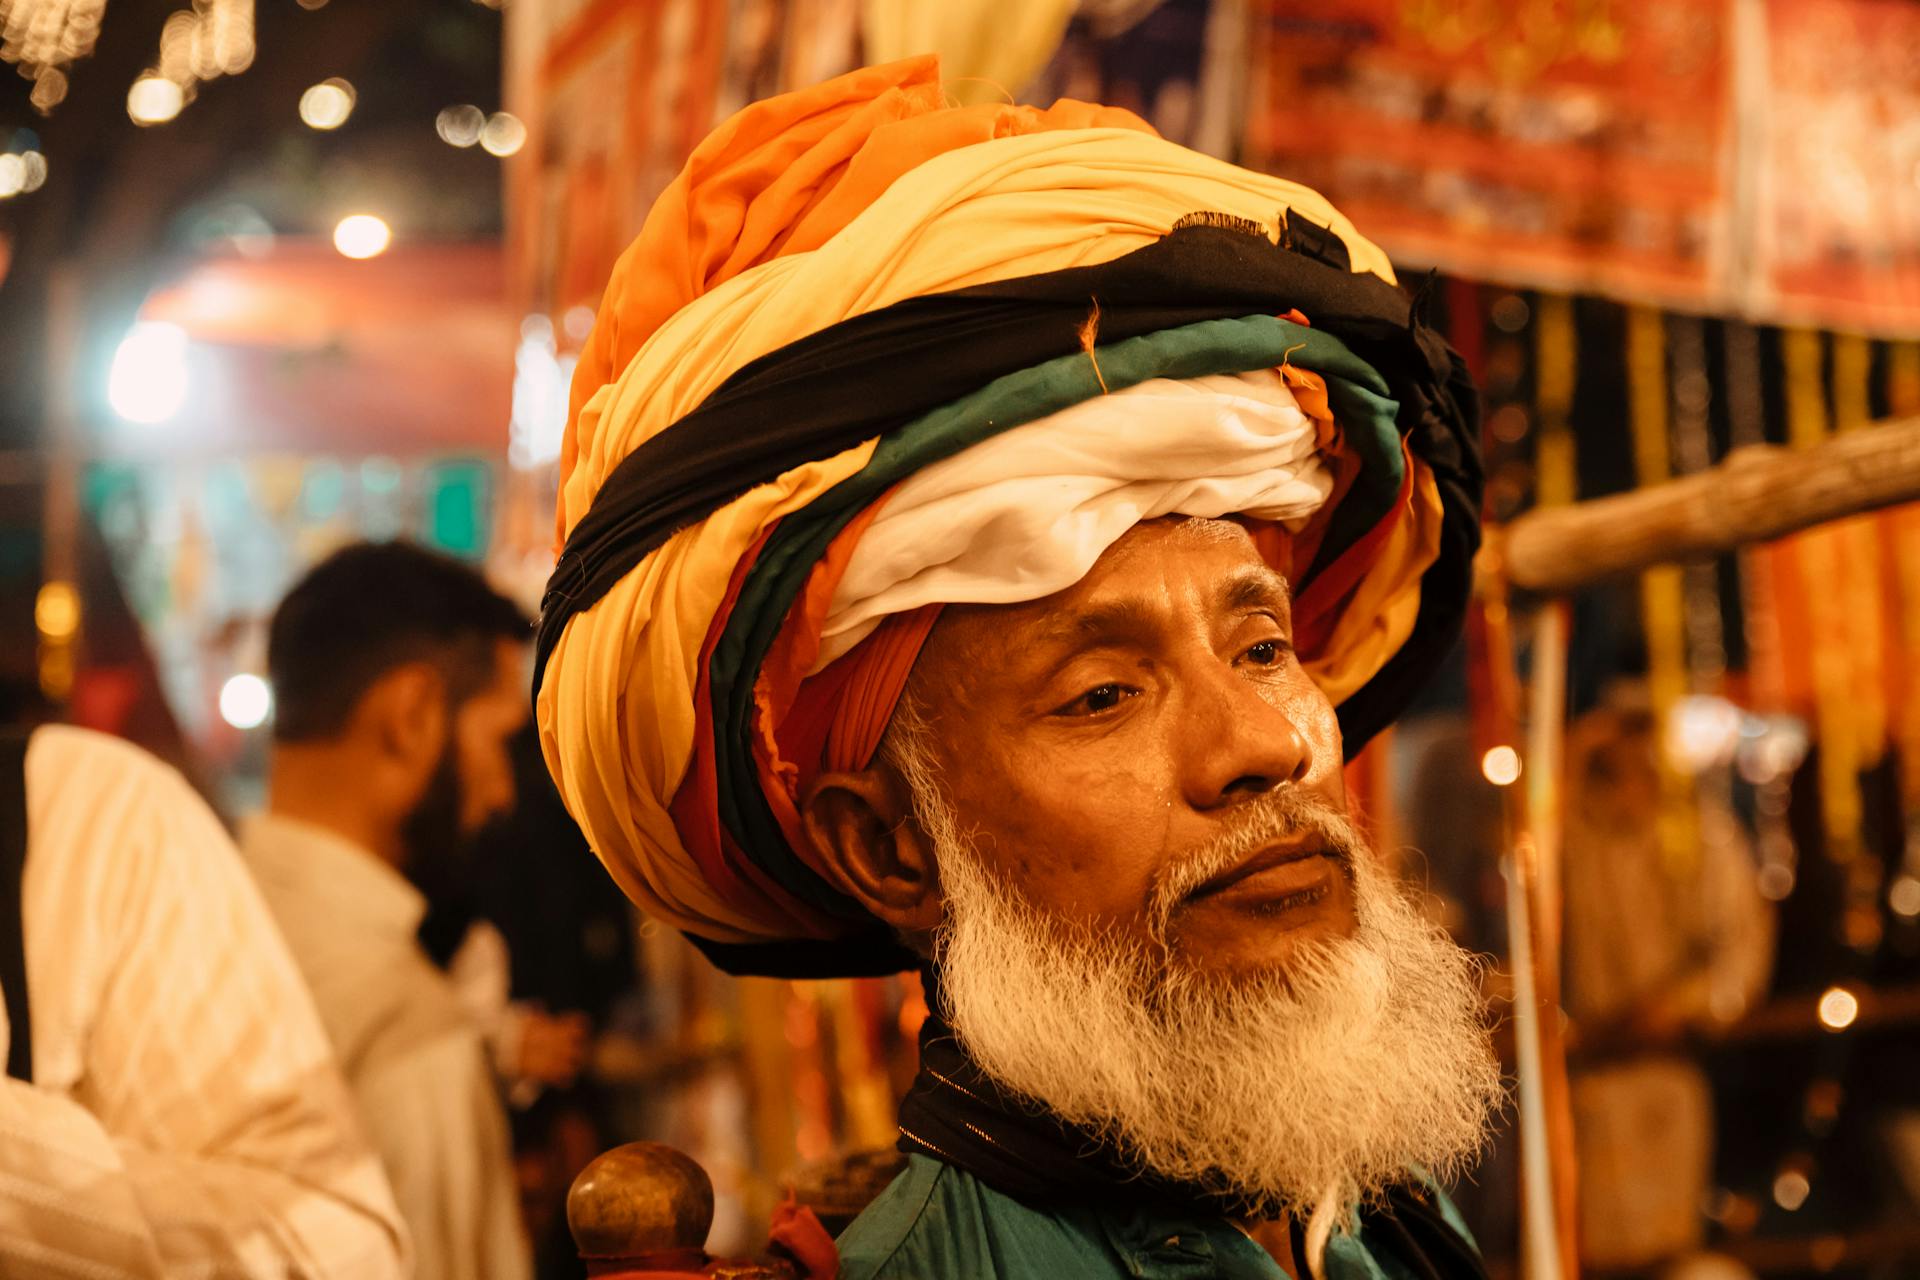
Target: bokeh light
x,y
1511,313
1790,1190
148,380
154,100
49,91
56,611
460,126
245,701
1703,732
1838,1008
503,134
362,235
1775,881
1501,766
13,176
327,105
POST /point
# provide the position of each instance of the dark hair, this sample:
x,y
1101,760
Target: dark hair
x,y
367,609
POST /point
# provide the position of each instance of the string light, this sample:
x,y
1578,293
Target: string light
x,y
56,611
245,701
327,105
49,90
362,235
56,615
1791,1189
212,39
503,134
460,126
1838,1008
43,36
154,100
1501,766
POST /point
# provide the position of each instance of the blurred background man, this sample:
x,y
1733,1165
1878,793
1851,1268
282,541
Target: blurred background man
x,y
399,680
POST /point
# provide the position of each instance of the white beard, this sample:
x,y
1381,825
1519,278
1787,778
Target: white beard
x,y
1308,1091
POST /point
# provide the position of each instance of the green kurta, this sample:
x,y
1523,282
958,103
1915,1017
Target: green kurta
x,y
936,1222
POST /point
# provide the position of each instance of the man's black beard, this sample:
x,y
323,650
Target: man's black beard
x,y
438,852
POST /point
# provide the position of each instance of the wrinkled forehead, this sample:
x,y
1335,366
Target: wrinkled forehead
x,y
1172,565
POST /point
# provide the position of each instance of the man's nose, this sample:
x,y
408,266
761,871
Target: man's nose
x,y
1239,745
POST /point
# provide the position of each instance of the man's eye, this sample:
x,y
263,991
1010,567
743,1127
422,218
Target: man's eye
x,y
1102,698
1266,653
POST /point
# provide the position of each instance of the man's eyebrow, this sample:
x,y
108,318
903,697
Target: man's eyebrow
x,y
1254,588
1100,623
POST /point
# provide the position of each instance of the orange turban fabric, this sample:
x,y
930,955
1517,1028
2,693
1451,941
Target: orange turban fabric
x,y
785,176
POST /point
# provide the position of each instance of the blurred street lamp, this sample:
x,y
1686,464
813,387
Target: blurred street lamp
x,y
362,235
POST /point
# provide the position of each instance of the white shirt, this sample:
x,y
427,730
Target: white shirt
x,y
412,1055
185,1116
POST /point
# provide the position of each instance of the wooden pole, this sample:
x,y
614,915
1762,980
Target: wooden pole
x,y
1758,493
1547,1165
1540,858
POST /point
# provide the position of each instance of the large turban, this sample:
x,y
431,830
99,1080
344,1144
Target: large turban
x,y
871,355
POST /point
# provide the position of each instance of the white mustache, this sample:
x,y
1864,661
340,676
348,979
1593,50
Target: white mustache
x,y
1280,814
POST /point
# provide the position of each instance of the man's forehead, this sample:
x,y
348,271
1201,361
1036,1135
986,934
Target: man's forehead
x,y
1209,557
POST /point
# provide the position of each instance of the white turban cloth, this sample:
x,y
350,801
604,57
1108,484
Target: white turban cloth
x,y
1026,513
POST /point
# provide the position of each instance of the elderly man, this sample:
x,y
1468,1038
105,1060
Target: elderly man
x,y
985,531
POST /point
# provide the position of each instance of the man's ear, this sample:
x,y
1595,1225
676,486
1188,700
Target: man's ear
x,y
861,825
404,713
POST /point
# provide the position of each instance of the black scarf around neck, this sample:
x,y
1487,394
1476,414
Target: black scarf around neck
x,y
958,1115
